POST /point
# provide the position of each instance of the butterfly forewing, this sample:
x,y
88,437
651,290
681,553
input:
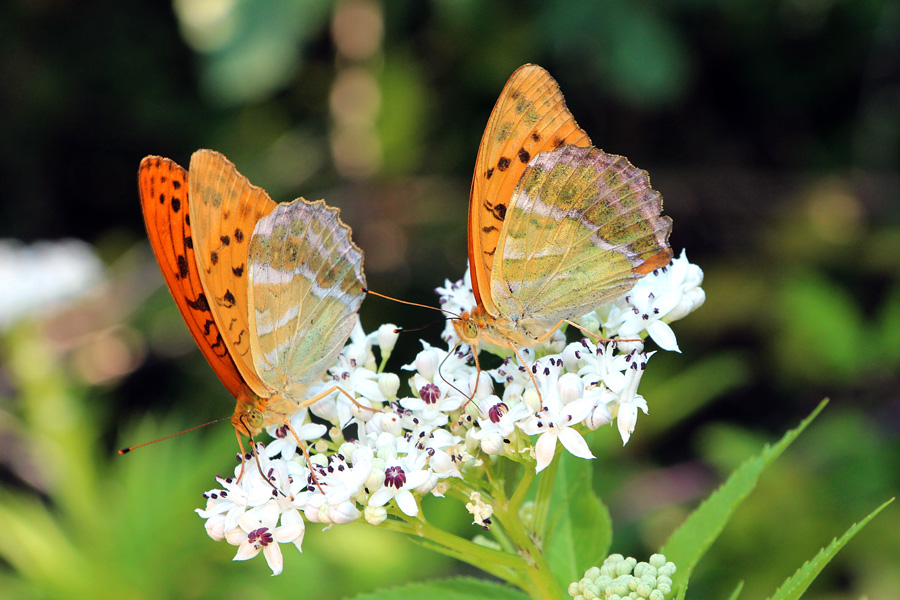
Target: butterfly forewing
x,y
306,285
224,209
530,117
582,226
163,187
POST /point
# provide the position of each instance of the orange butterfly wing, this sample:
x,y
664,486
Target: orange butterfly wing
x,y
224,208
163,186
530,117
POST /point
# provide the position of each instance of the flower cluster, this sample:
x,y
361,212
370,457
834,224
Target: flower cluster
x,y
620,578
384,451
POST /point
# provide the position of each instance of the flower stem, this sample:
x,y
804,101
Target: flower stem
x,y
540,583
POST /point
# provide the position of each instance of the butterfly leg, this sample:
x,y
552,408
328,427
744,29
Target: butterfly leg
x,y
302,446
591,334
314,399
259,468
530,372
243,454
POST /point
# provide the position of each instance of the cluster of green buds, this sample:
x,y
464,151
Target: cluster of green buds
x,y
623,578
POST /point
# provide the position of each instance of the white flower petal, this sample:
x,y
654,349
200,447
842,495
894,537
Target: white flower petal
x,y
272,552
407,503
246,551
626,420
663,335
574,443
544,450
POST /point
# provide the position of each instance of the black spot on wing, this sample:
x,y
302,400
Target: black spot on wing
x,y
238,235
238,271
182,266
524,156
189,242
176,204
213,257
536,136
225,240
503,163
489,229
200,303
176,184
490,173
228,298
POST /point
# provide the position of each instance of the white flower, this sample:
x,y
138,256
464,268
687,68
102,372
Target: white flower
x,y
257,531
499,423
513,375
442,367
386,338
480,510
661,297
341,480
629,401
356,378
285,443
318,510
434,404
41,275
401,476
555,420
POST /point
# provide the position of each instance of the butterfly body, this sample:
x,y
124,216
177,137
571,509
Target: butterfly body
x,y
557,227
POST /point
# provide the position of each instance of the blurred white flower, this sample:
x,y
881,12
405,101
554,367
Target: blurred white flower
x,y
42,275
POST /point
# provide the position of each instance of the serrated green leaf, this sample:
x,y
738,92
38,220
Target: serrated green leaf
x,y
579,528
461,588
796,584
692,539
737,591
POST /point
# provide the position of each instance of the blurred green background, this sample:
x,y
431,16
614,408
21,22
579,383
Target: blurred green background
x,y
772,128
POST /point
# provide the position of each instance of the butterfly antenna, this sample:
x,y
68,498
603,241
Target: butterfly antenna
x,y
444,379
452,315
130,448
421,327
441,375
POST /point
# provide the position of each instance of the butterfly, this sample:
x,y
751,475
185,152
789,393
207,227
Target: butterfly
x,y
556,227
270,292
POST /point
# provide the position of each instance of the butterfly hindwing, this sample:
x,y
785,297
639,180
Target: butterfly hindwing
x,y
224,209
583,226
163,187
530,117
306,287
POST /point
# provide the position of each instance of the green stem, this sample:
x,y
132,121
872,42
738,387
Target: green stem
x,y
518,496
544,495
541,585
472,553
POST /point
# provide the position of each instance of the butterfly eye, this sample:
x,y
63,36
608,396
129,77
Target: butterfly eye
x,y
470,329
255,418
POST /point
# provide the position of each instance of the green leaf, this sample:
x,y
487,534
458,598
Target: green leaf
x,y
461,588
579,528
683,588
689,543
737,591
795,585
